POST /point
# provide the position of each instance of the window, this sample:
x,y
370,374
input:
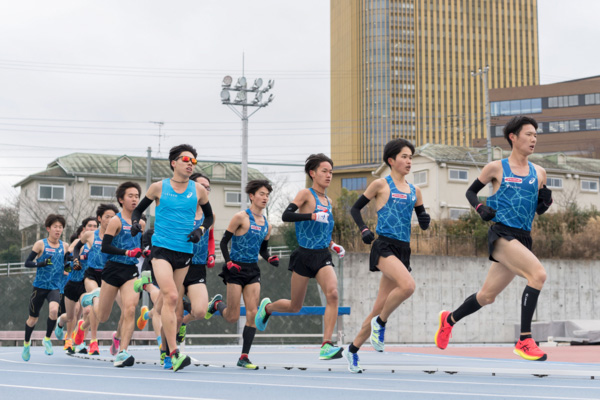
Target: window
x,y
589,186
574,125
233,198
593,98
420,178
554,183
456,213
516,107
102,192
354,183
51,192
458,175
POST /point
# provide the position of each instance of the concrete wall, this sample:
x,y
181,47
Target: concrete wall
x,y
442,283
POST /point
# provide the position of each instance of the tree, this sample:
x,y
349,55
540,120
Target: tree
x,y
10,237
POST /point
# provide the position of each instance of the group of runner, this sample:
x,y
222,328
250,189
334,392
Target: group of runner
x,y
102,260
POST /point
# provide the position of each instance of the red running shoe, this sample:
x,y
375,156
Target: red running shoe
x,y
94,350
79,333
529,350
444,332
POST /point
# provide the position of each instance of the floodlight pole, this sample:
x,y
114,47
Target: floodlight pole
x,y
484,77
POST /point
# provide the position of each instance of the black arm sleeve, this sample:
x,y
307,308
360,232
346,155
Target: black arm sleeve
x,y
139,210
224,242
355,211
30,263
209,218
419,209
472,191
264,250
108,248
77,249
290,214
147,238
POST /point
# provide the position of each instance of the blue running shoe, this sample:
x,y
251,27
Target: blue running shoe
x,y
48,346
262,317
377,337
168,364
330,352
353,365
124,359
26,354
87,299
211,306
58,331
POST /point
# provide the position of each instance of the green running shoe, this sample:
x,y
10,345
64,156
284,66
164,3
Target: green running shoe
x,y
262,317
163,355
180,361
138,284
211,306
124,359
181,334
330,352
244,362
377,337
26,354
48,346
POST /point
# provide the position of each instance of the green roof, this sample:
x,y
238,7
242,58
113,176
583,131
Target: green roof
x,y
87,164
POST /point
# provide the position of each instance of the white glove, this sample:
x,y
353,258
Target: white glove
x,y
338,249
322,217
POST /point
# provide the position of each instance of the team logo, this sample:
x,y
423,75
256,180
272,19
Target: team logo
x,y
51,250
322,208
98,242
531,180
513,180
127,227
255,227
399,196
189,195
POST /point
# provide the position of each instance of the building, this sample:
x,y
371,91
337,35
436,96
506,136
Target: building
x,y
568,114
402,69
444,173
75,184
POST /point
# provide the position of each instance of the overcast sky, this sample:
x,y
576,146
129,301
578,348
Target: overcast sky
x,y
91,75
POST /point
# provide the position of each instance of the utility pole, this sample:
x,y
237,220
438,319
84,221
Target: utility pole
x,y
145,297
160,125
484,77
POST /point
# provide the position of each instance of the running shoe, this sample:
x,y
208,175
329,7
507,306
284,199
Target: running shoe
x,y
529,350
58,330
353,365
330,352
180,361
167,364
143,318
68,344
79,333
244,362
212,306
48,346
124,359
377,335
94,350
81,349
87,299
114,346
70,350
444,332
262,318
181,334
163,356
26,354
144,279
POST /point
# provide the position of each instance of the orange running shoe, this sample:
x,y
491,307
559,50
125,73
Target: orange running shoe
x,y
143,319
444,332
529,350
79,333
94,350
68,344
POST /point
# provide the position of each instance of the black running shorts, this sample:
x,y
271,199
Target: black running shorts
x,y
61,304
177,259
93,274
308,262
74,290
498,231
36,301
250,273
117,274
195,275
385,247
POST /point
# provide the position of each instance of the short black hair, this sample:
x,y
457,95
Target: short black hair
x,y
394,147
313,161
87,220
102,208
253,186
122,188
177,150
76,234
52,218
197,175
516,124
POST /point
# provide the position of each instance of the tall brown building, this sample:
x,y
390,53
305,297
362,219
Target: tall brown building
x,y
402,69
